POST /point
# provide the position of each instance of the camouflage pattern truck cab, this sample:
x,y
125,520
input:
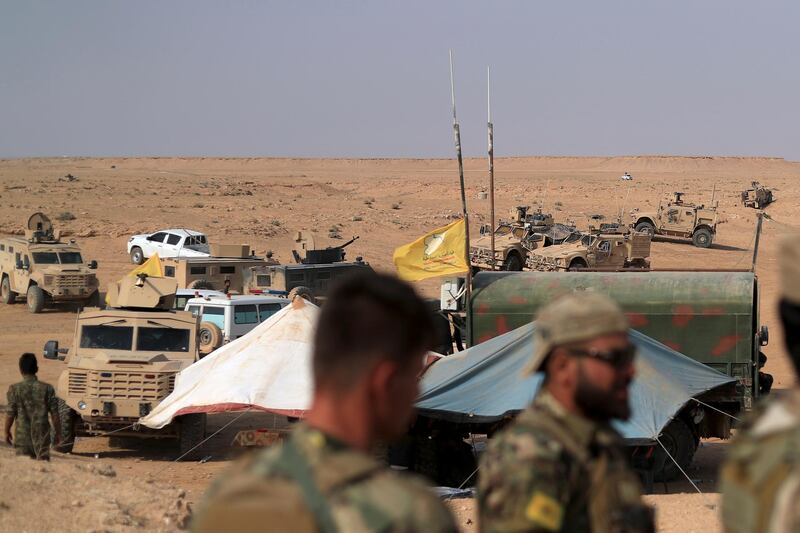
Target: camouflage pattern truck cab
x,y
608,248
123,363
676,218
45,270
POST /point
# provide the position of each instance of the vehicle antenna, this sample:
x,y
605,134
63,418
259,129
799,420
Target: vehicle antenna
x,y
759,222
490,127
457,136
713,193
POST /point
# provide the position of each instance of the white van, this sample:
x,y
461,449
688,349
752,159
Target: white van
x,y
226,318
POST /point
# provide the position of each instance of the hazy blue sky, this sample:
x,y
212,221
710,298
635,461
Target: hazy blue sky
x,y
298,78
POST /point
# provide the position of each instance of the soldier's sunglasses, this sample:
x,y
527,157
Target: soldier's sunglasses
x,y
617,358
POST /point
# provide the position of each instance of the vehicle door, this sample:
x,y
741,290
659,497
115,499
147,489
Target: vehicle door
x,y
603,253
153,244
22,273
688,220
245,318
172,246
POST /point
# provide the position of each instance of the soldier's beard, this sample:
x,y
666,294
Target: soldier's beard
x,y
599,404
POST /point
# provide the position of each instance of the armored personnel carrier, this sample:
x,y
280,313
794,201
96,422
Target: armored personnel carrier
x,y
123,363
45,270
676,218
757,196
311,274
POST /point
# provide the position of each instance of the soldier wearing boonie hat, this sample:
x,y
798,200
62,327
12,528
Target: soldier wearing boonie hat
x,y
560,466
760,479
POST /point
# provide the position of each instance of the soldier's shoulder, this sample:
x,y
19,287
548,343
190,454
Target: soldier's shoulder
x,y
524,440
775,415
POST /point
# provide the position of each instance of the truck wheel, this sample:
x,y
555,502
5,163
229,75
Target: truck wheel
x,y
137,256
702,238
639,263
679,440
93,300
6,294
646,227
302,292
577,264
35,298
202,284
210,337
191,431
513,263
67,418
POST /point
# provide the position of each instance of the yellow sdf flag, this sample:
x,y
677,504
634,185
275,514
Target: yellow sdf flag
x,y
441,252
152,267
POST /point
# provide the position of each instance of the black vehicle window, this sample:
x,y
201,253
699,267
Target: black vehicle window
x,y
295,277
263,280
169,271
162,340
45,258
173,239
157,237
107,337
70,258
2,247
180,302
267,310
194,309
197,270
245,314
227,270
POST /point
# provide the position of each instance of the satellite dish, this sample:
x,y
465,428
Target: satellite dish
x,y
40,223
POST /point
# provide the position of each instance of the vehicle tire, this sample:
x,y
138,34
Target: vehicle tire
x,y
137,255
303,292
67,418
513,263
202,284
702,238
35,299
6,294
639,263
646,227
577,264
210,337
191,431
679,440
93,300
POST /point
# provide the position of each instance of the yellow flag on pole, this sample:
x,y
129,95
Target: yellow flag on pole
x,y
152,267
441,252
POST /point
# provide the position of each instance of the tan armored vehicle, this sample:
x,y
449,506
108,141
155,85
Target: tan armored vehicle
x,y
45,270
676,218
224,271
315,269
757,196
610,247
514,240
123,363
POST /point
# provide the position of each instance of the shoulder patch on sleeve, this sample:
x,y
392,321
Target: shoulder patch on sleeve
x,y
545,511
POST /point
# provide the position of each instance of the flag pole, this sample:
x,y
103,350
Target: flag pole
x,y
457,134
491,163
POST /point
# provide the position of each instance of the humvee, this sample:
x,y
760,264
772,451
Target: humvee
x,y
757,196
44,269
310,276
123,363
609,247
224,271
676,218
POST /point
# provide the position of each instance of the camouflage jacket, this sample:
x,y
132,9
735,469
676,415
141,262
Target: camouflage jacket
x,y
555,471
315,483
29,402
760,479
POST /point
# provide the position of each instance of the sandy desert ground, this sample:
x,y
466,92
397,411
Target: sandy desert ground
x,y
386,202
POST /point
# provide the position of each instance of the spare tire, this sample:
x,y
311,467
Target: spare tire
x,y
303,292
209,337
202,284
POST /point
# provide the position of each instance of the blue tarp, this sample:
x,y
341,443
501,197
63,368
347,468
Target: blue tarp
x,y
485,382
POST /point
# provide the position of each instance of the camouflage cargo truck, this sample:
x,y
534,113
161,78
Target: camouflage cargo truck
x,y
123,363
757,196
676,218
44,270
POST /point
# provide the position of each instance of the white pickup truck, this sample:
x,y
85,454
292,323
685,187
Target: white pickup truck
x,y
168,243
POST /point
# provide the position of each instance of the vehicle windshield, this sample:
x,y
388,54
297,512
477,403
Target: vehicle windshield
x,y
70,258
162,340
196,242
503,229
587,240
53,258
107,337
519,233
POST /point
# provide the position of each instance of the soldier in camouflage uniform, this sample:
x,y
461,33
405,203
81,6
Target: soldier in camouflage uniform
x,y
560,466
371,339
760,479
29,403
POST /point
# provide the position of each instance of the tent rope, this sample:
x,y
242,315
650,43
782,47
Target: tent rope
x,y
708,504
212,435
715,409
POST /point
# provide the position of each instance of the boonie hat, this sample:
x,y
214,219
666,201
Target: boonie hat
x,y
789,260
572,318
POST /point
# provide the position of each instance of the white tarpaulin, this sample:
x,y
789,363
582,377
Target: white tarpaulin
x,y
268,369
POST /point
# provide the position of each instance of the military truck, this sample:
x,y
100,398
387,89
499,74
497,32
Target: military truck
x,y
314,270
676,218
123,364
609,247
224,271
514,240
757,196
44,269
